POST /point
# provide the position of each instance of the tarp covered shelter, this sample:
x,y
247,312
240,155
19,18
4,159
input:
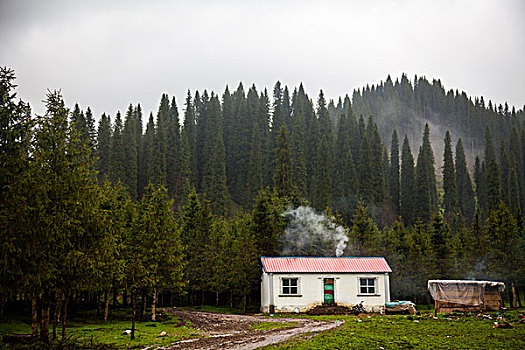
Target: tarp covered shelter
x,y
465,295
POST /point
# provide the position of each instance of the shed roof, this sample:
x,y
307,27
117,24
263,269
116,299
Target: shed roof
x,y
325,264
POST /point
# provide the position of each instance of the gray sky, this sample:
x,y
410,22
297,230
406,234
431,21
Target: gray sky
x,y
107,54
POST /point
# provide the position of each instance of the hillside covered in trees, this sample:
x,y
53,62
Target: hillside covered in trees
x,y
184,205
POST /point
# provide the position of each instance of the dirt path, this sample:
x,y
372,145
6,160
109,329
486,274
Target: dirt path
x,y
222,331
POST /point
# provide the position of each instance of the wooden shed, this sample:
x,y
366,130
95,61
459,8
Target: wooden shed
x,y
464,295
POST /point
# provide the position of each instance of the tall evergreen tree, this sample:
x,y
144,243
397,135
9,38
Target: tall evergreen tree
x,y
117,161
442,253
407,184
283,181
394,172
377,173
189,137
129,140
214,167
449,177
255,170
103,147
322,185
465,193
173,176
426,192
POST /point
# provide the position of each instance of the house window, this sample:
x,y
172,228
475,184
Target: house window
x,y
290,286
367,286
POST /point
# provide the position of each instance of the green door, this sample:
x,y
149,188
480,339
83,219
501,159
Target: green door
x,y
329,291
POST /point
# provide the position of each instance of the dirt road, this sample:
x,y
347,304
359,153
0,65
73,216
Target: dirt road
x,y
222,331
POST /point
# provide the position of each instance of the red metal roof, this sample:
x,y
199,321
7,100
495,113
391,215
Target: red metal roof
x,y
328,264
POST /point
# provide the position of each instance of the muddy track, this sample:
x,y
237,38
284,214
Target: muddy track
x,y
223,331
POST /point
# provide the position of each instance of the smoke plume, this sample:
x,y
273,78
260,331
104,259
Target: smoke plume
x,y
312,234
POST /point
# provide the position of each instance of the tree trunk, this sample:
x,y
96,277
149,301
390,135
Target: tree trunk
x,y
44,318
125,298
171,299
161,299
143,311
65,300
106,309
56,316
154,305
519,299
514,304
231,299
216,299
34,316
134,304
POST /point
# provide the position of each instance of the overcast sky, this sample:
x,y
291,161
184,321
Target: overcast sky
x,y
107,54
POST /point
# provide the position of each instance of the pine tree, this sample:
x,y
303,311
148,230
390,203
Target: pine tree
x,y
117,161
505,173
148,144
394,172
442,253
493,185
196,223
161,243
129,140
67,202
267,224
322,185
297,141
465,194
188,134
19,198
407,184
364,236
377,173
426,192
449,177
103,147
479,181
255,170
364,171
159,164
173,179
504,243
283,181
214,167
345,184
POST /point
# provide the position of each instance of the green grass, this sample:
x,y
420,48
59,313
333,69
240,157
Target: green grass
x,y
448,331
87,329
414,332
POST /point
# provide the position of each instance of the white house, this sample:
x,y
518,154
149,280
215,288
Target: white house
x,y
297,284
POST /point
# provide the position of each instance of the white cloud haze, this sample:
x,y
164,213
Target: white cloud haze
x,y
107,54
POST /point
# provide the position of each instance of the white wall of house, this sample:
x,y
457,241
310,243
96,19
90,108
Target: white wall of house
x,y
310,291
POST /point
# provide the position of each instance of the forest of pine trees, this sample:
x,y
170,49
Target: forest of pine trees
x,y
184,205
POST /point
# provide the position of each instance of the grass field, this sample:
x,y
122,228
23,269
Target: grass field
x,y
88,330
454,331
